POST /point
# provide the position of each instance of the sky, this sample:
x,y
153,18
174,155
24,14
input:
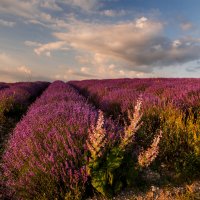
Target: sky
x,y
98,39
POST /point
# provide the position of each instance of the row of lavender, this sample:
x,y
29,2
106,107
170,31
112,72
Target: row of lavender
x,y
172,105
182,93
3,85
19,95
44,158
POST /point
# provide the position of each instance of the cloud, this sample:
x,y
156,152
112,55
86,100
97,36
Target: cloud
x,y
94,59
50,4
30,8
185,26
27,9
32,43
41,12
113,13
11,70
47,48
8,68
24,69
176,43
193,69
19,8
7,60
85,69
98,64
86,5
100,45
141,22
34,12
6,23
8,75
140,43
75,74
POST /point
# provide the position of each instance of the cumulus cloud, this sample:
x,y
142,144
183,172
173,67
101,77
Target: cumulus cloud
x,y
141,22
140,43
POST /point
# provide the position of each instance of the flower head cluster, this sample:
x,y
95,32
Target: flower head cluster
x,y
97,138
145,158
134,125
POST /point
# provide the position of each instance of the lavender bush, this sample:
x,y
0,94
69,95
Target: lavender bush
x,y
44,158
3,85
19,96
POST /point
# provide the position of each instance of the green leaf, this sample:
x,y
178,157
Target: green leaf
x,y
110,178
99,181
114,159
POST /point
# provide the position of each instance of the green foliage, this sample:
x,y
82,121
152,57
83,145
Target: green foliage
x,y
113,166
6,105
151,123
9,108
180,145
111,172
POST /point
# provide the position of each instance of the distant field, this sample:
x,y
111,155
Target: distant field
x,y
80,139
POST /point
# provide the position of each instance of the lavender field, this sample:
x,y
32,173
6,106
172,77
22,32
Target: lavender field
x,y
81,139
